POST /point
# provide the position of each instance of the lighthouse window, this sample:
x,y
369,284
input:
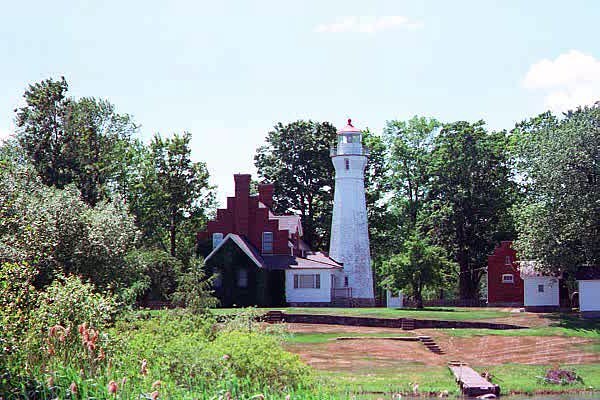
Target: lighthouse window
x,y
347,161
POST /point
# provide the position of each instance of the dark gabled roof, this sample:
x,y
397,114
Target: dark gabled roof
x,y
273,262
588,272
311,261
244,245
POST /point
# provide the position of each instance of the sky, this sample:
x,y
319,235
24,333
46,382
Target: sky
x,y
227,71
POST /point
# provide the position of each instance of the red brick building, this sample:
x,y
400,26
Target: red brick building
x,y
259,258
505,286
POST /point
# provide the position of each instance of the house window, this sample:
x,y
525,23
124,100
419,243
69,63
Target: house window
x,y
267,242
217,239
508,278
242,278
540,288
312,281
345,281
347,161
507,260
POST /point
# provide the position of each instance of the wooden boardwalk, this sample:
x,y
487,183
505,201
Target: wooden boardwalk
x,y
471,383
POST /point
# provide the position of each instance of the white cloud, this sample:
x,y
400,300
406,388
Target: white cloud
x,y
570,80
368,24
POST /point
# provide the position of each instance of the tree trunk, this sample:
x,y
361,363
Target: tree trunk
x,y
172,232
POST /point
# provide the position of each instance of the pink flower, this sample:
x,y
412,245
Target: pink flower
x,y
73,388
154,395
112,387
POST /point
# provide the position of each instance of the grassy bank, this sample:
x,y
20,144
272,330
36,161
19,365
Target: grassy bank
x,y
512,378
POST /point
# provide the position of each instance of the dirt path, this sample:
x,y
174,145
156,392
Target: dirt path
x,y
483,350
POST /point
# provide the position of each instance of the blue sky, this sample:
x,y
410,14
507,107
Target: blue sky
x,y
227,71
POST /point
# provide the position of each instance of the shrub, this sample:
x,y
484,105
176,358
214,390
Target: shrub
x,y
562,376
194,290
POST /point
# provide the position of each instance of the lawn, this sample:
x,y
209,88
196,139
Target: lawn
x,y
559,325
441,313
512,378
325,337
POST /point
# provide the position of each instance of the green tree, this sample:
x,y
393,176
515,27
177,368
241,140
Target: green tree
x,y
73,141
296,160
58,233
418,266
469,195
195,289
173,196
410,144
558,161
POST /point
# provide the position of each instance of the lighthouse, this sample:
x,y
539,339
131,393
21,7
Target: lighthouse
x,y
349,243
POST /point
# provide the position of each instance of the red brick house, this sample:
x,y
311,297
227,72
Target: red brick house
x,y
259,258
505,286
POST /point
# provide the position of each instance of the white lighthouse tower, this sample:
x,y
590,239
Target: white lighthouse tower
x,y
349,243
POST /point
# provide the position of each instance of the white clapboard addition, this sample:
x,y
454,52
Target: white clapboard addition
x,y
349,228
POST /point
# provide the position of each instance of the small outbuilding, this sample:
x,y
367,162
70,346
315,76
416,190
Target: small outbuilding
x,y
588,280
504,283
541,293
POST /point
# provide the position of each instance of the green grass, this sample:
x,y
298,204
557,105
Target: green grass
x,y
325,337
398,379
520,378
442,313
539,331
560,325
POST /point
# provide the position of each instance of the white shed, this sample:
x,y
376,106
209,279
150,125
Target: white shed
x,y
394,301
540,292
588,279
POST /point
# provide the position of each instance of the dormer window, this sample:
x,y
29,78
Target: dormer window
x,y
217,238
267,242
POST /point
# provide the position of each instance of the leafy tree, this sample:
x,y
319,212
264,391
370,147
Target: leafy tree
x,y
558,161
58,233
296,160
171,196
410,144
382,234
418,266
73,141
469,195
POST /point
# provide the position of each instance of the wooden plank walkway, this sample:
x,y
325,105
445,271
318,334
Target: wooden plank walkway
x,y
471,383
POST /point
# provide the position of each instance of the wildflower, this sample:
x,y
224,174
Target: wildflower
x,y
55,330
73,388
51,351
123,381
154,395
226,357
112,387
415,389
50,381
156,385
228,395
101,355
82,328
288,397
144,369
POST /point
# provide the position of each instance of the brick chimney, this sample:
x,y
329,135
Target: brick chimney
x,y
265,194
242,195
